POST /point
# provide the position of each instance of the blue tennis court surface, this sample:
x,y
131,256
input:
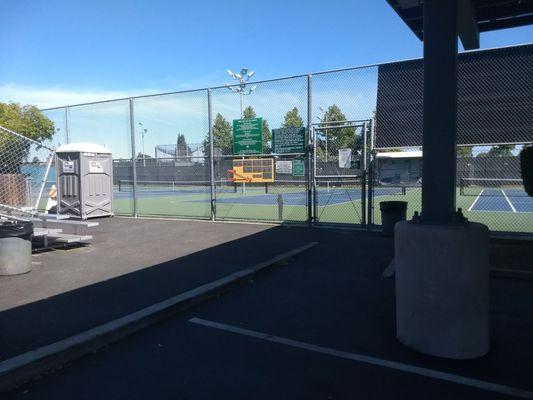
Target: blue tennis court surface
x,y
495,199
255,196
323,197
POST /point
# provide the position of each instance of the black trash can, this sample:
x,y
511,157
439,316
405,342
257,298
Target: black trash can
x,y
15,247
392,212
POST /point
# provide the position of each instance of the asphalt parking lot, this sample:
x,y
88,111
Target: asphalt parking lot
x,y
319,327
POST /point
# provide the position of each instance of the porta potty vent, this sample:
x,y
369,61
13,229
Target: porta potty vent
x,y
84,180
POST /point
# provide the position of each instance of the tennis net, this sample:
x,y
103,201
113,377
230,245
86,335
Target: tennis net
x,y
174,187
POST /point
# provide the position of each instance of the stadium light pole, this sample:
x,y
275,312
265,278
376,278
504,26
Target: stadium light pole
x,y
143,132
243,77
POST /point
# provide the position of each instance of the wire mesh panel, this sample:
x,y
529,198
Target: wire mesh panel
x,y
172,163
491,191
343,105
107,124
24,168
59,117
280,104
494,121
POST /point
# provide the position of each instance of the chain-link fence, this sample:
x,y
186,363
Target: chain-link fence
x,y
24,169
494,122
174,153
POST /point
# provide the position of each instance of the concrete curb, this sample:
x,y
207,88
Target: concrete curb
x,y
20,368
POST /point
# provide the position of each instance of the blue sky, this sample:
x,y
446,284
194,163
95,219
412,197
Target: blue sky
x,y
139,46
56,52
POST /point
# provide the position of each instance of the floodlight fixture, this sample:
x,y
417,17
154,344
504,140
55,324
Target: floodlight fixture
x,y
243,77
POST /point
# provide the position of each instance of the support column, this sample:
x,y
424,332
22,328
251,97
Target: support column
x,y
442,263
440,110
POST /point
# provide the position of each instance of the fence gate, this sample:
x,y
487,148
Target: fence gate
x,y
339,179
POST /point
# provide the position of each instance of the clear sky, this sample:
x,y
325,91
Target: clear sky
x,y
72,50
58,52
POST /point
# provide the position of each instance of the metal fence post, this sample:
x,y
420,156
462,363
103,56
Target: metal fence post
x,y
67,123
133,157
370,177
364,177
310,151
211,156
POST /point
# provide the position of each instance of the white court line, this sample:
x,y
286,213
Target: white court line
x,y
508,201
412,369
475,201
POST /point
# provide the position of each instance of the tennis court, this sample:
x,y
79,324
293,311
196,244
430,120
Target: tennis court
x,y
497,195
336,201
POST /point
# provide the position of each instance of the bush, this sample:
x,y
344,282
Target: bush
x,y
526,167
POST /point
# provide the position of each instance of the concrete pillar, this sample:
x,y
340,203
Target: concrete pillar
x,y
442,264
442,288
440,110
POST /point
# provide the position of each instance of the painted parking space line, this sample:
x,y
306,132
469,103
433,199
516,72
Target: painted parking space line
x,y
475,201
508,201
398,366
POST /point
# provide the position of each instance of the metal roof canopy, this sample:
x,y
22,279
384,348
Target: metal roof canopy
x,y
474,16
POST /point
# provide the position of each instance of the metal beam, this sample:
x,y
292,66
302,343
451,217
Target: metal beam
x,y
467,25
440,110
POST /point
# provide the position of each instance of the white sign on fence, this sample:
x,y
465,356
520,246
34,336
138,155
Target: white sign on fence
x,y
345,158
284,167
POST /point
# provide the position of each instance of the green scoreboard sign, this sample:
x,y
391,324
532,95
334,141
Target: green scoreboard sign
x,y
248,136
298,167
288,140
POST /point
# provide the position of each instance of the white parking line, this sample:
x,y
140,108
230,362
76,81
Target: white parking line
x,y
475,201
508,201
412,369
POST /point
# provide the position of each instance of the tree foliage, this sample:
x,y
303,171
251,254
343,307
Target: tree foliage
x,y
338,138
293,119
464,151
502,150
182,149
27,121
222,138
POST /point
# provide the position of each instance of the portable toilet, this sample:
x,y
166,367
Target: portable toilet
x,y
84,180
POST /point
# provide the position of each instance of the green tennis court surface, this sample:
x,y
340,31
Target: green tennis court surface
x,y
335,204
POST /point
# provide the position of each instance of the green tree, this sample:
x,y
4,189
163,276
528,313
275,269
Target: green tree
x,y
26,120
337,138
181,146
222,138
502,150
464,151
293,119
249,112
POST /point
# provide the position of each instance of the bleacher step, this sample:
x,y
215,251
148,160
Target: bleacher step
x,y
38,232
68,238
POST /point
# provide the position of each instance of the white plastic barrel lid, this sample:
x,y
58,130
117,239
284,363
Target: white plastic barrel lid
x,y
83,148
